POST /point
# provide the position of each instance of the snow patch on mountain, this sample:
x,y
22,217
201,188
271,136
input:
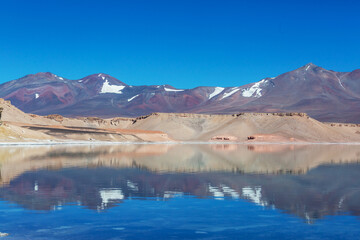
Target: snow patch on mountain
x,y
253,90
130,99
172,90
216,92
234,90
340,82
107,88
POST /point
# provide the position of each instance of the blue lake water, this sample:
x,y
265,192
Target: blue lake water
x,y
180,192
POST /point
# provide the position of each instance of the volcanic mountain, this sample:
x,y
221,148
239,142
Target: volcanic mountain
x,y
323,94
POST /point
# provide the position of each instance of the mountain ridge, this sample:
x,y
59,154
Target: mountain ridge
x,y
325,95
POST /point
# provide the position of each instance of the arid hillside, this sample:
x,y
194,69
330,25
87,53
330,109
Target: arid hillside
x,y
18,126
252,127
160,127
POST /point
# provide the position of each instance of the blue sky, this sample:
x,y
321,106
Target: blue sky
x,y
185,43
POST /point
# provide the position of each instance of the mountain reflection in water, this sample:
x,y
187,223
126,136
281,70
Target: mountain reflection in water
x,y
309,181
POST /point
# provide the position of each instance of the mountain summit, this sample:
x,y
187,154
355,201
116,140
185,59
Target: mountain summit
x,y
324,94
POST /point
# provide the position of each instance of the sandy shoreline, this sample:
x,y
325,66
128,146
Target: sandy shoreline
x,y
42,143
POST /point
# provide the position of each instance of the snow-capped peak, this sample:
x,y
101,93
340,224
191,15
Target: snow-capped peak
x,y
108,88
308,66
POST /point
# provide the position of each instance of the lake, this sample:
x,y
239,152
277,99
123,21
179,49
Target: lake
x,y
180,191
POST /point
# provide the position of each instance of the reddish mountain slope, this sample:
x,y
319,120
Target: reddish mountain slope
x,y
323,94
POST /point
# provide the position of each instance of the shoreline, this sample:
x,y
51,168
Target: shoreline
x,y
65,143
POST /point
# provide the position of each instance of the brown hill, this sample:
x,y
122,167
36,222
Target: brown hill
x,y
266,127
242,127
18,126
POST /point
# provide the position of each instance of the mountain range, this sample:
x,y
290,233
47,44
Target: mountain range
x,y
323,94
